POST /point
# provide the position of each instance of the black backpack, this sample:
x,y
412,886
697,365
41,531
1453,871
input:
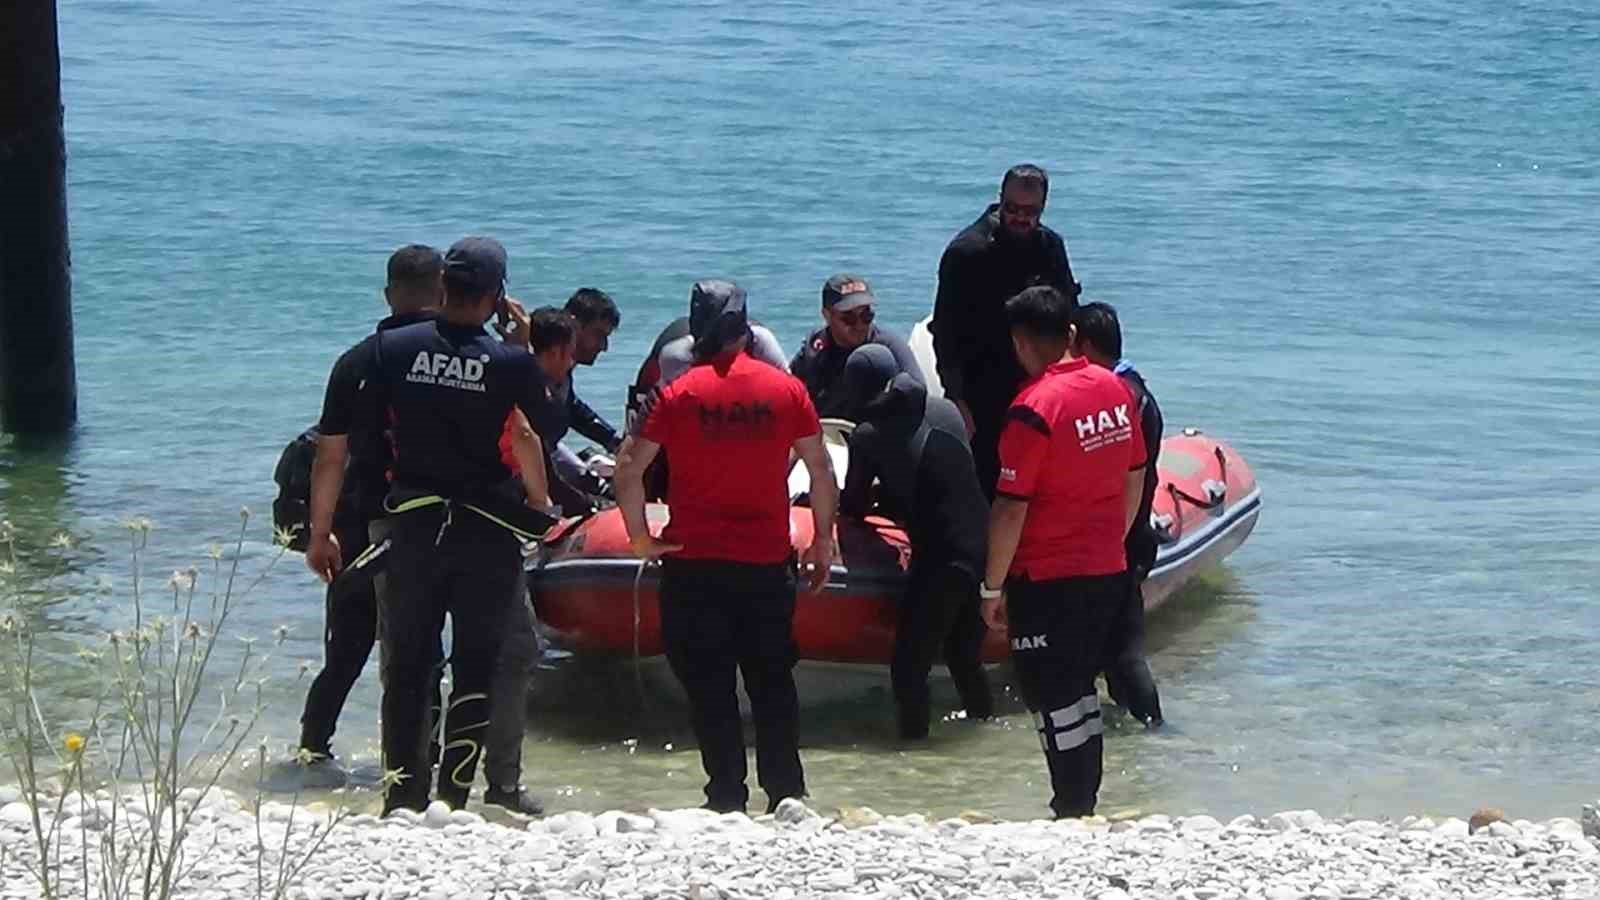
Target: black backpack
x,y
291,511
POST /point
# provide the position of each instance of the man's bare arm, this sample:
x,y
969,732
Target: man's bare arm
x,y
633,457
528,450
824,507
323,555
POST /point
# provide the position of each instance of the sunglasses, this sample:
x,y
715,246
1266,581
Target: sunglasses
x,y
1021,211
854,317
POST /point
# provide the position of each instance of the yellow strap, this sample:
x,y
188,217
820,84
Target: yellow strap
x,y
417,503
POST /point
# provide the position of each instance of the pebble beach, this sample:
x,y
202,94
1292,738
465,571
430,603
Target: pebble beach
x,y
799,852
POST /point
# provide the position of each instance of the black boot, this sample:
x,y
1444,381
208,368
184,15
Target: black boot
x,y
516,799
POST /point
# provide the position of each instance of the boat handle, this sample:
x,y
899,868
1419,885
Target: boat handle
x,y
1216,488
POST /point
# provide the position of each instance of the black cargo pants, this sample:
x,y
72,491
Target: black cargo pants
x,y
720,618
441,561
1058,631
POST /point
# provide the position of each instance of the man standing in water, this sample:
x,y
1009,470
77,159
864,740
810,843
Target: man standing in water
x,y
1099,340
1071,470
916,448
848,316
989,262
727,578
413,293
455,518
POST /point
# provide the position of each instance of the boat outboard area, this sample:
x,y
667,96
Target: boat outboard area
x,y
595,597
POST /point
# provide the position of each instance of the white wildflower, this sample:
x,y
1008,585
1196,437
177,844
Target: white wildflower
x,y
181,580
61,541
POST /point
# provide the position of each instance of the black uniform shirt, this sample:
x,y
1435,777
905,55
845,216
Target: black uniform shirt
x,y
820,365
916,446
445,391
366,479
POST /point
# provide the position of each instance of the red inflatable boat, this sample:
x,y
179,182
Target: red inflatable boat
x,y
597,597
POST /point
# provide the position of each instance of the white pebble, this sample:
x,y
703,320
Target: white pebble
x,y
437,814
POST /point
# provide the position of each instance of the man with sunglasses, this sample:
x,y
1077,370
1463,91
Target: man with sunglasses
x,y
992,260
847,310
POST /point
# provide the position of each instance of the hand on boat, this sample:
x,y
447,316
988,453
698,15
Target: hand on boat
x,y
994,614
648,546
324,557
815,565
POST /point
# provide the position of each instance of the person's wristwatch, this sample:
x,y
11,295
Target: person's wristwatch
x,y
988,593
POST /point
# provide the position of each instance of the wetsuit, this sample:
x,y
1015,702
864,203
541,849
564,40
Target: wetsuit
x,y
1127,673
727,598
351,608
820,365
916,448
982,268
454,521
1069,443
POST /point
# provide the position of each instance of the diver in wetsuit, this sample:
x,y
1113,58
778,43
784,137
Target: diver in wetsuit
x,y
1006,250
849,322
915,447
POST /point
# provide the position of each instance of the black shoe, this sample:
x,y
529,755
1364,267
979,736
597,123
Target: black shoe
x,y
723,807
516,799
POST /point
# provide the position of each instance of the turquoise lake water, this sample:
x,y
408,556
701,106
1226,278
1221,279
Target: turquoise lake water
x,y
1359,241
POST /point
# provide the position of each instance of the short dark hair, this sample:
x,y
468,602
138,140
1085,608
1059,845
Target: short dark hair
x,y
551,327
1099,328
415,266
589,305
1030,174
1042,312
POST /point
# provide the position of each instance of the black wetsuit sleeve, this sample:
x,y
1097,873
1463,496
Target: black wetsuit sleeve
x,y
799,367
856,498
590,424
344,402
1061,267
951,339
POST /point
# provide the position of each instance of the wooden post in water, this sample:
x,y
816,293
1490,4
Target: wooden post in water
x,y
38,379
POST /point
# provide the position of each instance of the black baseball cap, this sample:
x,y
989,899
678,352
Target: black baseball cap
x,y
845,291
717,315
476,263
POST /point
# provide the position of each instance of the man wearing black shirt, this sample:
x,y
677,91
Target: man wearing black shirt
x,y
848,315
916,448
1099,338
454,515
413,293
988,263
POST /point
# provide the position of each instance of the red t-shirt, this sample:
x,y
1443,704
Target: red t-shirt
x,y
727,427
1070,439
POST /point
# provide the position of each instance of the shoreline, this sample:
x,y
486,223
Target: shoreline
x,y
799,852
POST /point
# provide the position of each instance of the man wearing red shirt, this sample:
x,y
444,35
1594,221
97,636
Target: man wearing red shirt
x,y
1071,467
727,579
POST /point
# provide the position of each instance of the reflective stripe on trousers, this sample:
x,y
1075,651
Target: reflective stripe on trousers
x,y
1071,726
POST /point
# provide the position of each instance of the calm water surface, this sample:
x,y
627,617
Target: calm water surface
x,y
1361,243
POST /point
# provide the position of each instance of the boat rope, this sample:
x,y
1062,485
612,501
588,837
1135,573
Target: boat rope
x,y
638,662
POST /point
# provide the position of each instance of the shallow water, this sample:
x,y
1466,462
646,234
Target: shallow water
x,y
1357,241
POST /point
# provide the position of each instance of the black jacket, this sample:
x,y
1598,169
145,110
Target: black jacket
x,y
981,269
820,365
1141,543
916,448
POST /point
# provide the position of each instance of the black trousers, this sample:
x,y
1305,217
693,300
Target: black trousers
x,y
1128,675
441,562
719,618
938,614
350,627
1058,634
